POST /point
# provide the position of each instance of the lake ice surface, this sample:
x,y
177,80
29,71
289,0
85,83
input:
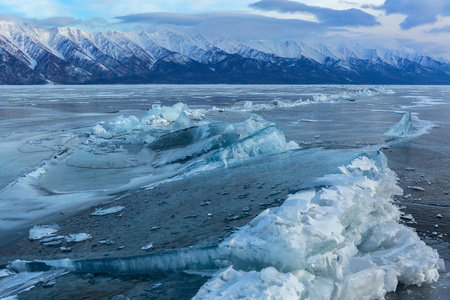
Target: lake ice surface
x,y
64,149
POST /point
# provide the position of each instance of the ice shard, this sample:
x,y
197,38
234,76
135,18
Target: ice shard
x,y
402,128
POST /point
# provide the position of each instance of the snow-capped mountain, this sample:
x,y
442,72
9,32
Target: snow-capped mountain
x,y
35,55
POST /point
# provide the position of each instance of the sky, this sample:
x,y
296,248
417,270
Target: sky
x,y
422,25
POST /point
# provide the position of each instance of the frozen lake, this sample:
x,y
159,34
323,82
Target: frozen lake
x,y
64,149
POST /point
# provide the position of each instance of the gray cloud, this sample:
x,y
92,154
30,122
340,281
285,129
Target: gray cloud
x,y
330,17
236,24
418,12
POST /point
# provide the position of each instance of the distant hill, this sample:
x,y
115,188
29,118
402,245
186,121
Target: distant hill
x,y
35,55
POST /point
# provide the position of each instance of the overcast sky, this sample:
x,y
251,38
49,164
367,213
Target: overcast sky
x,y
423,25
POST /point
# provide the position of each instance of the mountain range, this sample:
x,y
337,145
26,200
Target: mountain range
x,y
37,55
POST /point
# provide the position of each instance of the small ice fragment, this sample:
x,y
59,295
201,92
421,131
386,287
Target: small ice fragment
x,y
77,237
439,216
247,105
436,226
49,283
205,203
155,228
120,247
106,242
191,217
416,188
148,246
107,211
39,231
407,217
410,169
210,215
52,238
246,209
434,233
53,243
65,249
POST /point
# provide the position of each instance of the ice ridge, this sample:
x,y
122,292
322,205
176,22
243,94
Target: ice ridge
x,y
341,241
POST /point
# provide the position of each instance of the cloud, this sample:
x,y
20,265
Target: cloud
x,y
418,12
336,18
60,21
445,29
237,24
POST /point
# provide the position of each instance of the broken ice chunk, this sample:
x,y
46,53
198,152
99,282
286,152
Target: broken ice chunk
x,y
148,246
439,216
77,237
39,231
107,211
402,128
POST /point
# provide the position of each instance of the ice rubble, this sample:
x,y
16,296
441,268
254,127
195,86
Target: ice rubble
x,y
138,131
342,241
340,97
176,137
267,284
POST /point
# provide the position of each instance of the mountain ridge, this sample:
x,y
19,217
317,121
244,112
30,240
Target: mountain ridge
x,y
36,55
